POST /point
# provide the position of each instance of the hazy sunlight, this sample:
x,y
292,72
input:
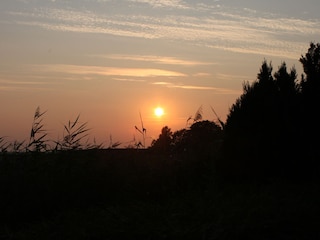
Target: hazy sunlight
x,y
158,112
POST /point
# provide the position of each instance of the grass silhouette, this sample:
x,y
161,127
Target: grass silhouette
x,y
74,133
37,141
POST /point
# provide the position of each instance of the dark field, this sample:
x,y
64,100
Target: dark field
x,y
138,194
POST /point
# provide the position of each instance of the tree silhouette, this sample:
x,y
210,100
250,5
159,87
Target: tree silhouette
x,y
163,143
261,127
254,108
288,105
310,88
310,85
286,82
202,136
179,140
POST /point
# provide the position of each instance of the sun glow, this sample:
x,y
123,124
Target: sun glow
x,y
158,112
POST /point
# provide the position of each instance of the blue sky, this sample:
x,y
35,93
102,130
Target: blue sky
x,y
111,59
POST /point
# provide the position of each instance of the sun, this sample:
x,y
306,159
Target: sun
x,y
158,111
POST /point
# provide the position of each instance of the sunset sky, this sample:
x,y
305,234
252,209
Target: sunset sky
x,y
112,60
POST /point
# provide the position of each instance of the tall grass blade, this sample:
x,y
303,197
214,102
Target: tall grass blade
x,y
198,115
221,122
74,134
37,140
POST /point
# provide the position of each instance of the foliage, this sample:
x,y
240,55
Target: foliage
x,y
74,133
310,85
75,137
310,98
37,141
4,145
197,116
270,128
143,133
222,124
163,143
202,136
17,146
113,144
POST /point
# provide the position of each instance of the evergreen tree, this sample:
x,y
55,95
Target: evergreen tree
x,y
310,89
310,85
261,128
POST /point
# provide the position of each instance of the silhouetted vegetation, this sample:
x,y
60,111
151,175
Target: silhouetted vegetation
x,y
271,129
256,176
37,140
164,142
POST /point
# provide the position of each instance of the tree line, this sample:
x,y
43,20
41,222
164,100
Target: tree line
x,y
271,130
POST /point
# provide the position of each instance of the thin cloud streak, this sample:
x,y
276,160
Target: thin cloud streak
x,y
128,80
163,3
228,77
12,85
157,59
202,74
106,71
221,29
194,87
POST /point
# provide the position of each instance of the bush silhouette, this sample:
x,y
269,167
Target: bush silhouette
x,y
202,136
163,143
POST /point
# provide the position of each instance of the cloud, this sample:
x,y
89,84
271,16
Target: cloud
x,y
106,71
163,3
128,80
202,74
7,84
157,59
197,87
162,83
238,31
228,77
